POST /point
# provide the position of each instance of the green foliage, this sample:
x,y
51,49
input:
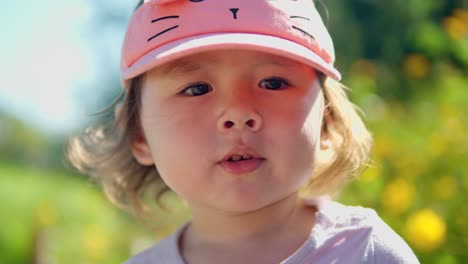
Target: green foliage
x,y
59,218
22,143
51,216
405,62
419,156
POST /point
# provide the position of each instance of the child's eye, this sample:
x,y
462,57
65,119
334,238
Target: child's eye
x,y
197,89
274,83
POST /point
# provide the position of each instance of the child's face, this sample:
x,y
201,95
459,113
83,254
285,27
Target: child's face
x,y
199,110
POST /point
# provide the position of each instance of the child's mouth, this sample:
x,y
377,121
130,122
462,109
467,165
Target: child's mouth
x,y
241,163
236,158
241,160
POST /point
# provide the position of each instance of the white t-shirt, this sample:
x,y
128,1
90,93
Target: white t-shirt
x,y
341,234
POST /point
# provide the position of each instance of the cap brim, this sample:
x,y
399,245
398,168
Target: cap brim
x,y
201,43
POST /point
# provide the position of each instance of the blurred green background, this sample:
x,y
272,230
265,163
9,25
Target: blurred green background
x,y
406,62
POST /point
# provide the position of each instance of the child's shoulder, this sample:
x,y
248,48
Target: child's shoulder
x,y
336,223
165,251
337,215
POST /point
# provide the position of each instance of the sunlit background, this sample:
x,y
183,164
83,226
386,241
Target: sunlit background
x,y
406,63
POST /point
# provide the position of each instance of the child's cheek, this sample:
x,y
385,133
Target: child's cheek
x,y
297,115
187,123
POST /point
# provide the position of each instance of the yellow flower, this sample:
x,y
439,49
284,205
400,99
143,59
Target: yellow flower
x,y
46,214
95,243
444,188
457,25
425,230
416,66
398,196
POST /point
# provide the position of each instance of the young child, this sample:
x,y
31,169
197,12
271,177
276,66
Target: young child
x,y
236,107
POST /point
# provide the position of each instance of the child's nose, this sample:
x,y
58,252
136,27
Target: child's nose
x,y
253,124
238,118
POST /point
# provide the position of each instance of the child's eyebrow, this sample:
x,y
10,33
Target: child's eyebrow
x,y
276,62
184,66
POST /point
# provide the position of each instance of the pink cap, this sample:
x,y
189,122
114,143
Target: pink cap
x,y
163,30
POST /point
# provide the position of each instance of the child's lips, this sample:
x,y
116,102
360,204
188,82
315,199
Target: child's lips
x,y
242,166
241,160
241,150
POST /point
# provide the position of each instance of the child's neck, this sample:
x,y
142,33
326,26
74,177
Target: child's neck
x,y
285,220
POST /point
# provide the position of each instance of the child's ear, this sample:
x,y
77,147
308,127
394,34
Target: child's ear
x,y
325,143
141,150
327,123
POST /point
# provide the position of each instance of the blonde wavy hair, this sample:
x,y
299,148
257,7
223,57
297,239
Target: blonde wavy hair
x,y
104,151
